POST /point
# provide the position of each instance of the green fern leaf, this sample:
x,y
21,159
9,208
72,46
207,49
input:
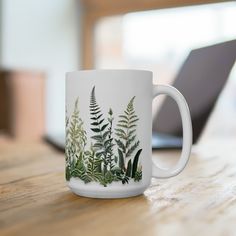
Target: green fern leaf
x,y
121,159
121,131
124,117
129,168
75,144
135,163
133,121
105,134
97,138
98,145
121,145
138,175
132,149
130,140
126,141
123,126
96,130
104,127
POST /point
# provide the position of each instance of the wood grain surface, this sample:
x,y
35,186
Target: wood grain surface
x,y
34,199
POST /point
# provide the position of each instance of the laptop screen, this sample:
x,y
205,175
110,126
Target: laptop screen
x,y
200,79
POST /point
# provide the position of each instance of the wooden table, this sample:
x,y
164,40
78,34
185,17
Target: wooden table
x,y
35,200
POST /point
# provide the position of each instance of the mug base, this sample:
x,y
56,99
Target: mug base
x,y
106,192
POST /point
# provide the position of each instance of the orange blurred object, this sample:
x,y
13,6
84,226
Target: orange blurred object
x,y
22,104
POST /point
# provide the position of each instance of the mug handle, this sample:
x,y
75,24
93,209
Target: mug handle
x,y
157,171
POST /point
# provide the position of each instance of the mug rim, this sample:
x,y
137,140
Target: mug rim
x,y
76,72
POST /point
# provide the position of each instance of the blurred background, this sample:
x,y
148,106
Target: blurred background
x,y
41,40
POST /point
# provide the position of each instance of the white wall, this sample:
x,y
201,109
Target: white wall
x,y
43,35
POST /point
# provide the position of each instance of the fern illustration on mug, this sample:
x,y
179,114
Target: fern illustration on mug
x,y
114,151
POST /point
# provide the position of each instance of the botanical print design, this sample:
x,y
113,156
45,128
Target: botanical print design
x,y
113,153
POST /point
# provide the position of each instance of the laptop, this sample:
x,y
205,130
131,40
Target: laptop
x,y
201,80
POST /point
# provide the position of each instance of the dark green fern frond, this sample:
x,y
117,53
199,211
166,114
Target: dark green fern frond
x,y
98,125
103,136
121,159
131,149
129,168
109,142
135,163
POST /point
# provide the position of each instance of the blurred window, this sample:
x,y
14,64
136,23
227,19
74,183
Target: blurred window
x,y
159,40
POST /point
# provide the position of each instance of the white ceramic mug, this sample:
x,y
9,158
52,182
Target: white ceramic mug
x,y
109,130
